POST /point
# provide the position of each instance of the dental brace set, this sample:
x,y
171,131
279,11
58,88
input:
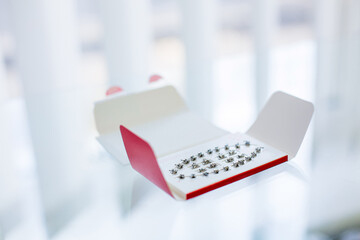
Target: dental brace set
x,y
185,155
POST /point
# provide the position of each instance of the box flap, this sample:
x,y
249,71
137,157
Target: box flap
x,y
159,116
283,122
143,161
136,108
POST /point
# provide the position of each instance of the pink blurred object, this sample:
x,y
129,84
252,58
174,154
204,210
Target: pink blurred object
x,y
114,89
155,78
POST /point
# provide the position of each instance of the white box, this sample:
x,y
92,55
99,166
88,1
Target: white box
x,y
157,126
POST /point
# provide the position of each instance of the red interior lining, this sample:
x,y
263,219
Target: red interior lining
x,y
142,158
236,177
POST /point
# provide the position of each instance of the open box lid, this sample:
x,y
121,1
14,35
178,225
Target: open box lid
x,y
160,116
283,122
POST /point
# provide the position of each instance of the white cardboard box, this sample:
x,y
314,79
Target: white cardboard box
x,y
157,126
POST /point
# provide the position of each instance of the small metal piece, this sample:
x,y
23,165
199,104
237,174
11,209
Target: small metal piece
x,y
200,154
229,159
185,161
248,159
241,162
202,170
258,149
217,149
209,151
253,154
236,164
237,145
226,168
193,158
206,161
192,176
213,165
232,152
247,143
181,176
173,171
194,165
221,156
241,155
205,174
179,166
216,171
227,147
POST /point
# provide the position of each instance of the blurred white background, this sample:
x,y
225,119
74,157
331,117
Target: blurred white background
x,y
226,57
